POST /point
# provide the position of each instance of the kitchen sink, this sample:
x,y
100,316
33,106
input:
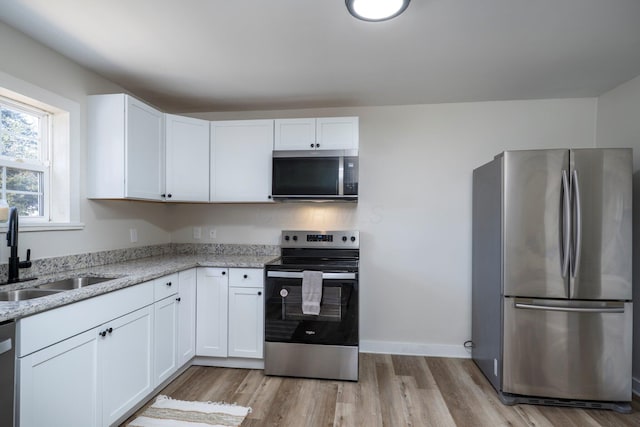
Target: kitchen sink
x,y
74,283
25,294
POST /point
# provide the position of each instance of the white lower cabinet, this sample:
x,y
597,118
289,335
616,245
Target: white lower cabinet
x,y
165,347
230,312
90,379
211,312
126,363
186,316
60,385
246,320
165,338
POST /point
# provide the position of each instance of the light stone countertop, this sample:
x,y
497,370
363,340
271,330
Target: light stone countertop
x,y
126,274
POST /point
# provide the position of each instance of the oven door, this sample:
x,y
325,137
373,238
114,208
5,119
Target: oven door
x,y
337,323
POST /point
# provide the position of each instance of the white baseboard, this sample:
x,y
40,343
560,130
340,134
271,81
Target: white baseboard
x,y
635,386
414,349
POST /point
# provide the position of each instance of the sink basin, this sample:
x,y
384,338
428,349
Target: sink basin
x,y
74,283
25,294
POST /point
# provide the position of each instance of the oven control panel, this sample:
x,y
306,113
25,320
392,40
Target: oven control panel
x,y
349,239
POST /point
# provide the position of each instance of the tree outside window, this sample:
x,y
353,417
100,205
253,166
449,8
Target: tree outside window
x,y
23,157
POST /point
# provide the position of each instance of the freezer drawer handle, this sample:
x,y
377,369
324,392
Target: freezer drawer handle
x,y
572,309
5,346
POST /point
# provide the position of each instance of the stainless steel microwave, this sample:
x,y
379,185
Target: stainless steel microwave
x,y
330,175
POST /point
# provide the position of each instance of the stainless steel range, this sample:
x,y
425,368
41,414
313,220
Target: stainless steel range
x,y
303,340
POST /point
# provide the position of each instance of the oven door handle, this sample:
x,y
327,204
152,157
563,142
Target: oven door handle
x,y
299,274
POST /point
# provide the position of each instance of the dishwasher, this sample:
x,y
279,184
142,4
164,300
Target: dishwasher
x,y
7,372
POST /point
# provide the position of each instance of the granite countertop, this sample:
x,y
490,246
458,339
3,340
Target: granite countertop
x,y
126,274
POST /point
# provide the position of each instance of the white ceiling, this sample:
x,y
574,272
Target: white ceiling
x,y
223,55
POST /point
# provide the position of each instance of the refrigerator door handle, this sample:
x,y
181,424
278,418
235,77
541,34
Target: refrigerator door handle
x,y
565,224
572,309
577,206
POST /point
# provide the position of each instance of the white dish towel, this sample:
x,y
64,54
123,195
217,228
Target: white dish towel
x,y
311,292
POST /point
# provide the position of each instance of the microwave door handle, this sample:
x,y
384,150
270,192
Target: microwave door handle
x,y
340,176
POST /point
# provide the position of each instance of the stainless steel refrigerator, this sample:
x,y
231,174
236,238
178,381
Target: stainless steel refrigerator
x,y
551,276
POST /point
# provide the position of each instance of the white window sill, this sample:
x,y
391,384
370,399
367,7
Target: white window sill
x,y
45,226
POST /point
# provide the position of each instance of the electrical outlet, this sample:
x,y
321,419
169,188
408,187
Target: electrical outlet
x,y
197,233
133,234
212,233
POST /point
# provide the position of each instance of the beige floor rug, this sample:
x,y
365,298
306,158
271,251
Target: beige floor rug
x,y
168,412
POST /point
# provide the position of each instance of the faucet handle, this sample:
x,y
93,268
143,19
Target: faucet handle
x,y
27,263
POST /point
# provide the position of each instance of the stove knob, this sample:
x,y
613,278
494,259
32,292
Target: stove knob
x,y
344,238
286,238
353,238
295,238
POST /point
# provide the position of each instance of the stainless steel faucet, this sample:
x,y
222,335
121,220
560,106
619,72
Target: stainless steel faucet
x,y
12,241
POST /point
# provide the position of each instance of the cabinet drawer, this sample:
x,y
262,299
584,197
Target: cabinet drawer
x,y
246,277
213,272
165,286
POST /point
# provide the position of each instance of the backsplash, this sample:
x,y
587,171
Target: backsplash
x,y
73,262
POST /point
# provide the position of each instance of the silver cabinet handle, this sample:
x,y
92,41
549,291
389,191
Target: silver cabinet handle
x,y
572,309
299,274
5,346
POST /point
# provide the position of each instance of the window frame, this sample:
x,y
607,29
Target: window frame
x,y
42,166
64,156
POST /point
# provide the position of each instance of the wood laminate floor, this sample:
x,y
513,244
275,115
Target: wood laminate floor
x,y
392,391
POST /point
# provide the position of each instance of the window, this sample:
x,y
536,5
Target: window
x,y
39,155
24,158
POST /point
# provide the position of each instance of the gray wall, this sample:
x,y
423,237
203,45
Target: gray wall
x,y
619,126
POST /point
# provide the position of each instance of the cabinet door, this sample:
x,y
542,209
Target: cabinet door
x,y
187,173
165,338
211,312
144,158
337,133
186,316
246,322
295,134
126,360
241,160
59,385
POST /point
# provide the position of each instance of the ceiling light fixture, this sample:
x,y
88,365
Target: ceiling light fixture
x,y
376,10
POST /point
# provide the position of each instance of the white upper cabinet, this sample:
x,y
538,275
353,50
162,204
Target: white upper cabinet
x,y
327,133
241,160
126,148
187,173
295,134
